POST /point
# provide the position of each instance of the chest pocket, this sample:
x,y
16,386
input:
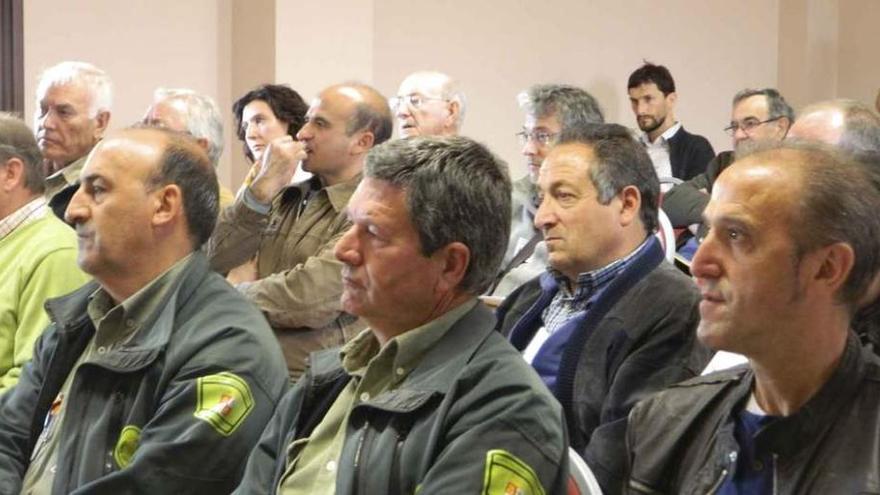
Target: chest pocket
x,y
392,431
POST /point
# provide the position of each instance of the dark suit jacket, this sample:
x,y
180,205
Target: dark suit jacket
x,y
689,154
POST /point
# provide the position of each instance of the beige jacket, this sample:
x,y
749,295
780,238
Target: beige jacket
x,y
300,282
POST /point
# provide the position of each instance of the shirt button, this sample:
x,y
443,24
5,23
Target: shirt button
x,y
365,396
758,465
129,323
331,466
400,371
102,350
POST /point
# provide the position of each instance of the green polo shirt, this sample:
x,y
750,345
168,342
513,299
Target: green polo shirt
x,y
114,326
312,462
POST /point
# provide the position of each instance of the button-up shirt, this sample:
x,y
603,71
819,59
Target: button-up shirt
x,y
659,150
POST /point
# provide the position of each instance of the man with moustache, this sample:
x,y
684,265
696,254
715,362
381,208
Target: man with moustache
x,y
674,151
291,229
73,111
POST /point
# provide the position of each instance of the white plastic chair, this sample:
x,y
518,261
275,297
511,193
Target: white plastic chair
x,y
584,482
666,234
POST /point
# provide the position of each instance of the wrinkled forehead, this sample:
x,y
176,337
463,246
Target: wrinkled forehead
x,y
67,92
754,106
764,188
131,152
422,84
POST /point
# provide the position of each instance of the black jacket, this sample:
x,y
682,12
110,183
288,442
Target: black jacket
x,y
689,154
638,338
682,440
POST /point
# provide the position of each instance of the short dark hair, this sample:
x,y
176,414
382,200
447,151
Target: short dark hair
x,y
651,73
621,161
187,165
777,107
572,106
376,119
287,105
17,140
456,191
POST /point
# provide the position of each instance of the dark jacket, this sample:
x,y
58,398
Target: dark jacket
x,y
684,203
682,440
638,337
472,393
689,154
150,386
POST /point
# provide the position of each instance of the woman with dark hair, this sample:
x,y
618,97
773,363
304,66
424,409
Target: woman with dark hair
x,y
263,114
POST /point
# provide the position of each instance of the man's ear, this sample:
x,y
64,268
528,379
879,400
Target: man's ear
x,y
168,205
454,259
362,143
833,265
454,113
102,121
11,173
672,98
630,204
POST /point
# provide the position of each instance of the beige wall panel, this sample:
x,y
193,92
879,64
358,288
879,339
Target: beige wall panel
x,y
859,50
498,47
142,44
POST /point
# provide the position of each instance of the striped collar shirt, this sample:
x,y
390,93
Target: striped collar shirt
x,y
33,210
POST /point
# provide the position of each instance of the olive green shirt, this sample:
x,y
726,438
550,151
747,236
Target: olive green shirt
x,y
312,461
67,176
114,325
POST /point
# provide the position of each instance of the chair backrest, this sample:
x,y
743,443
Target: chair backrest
x,y
581,480
666,234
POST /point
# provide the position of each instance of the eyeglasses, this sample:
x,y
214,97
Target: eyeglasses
x,y
412,101
747,125
541,137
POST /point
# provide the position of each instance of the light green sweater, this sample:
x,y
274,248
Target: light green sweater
x,y
37,261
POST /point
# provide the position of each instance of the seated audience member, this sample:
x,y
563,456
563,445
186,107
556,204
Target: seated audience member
x,y
609,322
73,111
428,103
184,110
37,250
157,377
673,151
549,110
263,114
296,281
792,247
429,399
758,116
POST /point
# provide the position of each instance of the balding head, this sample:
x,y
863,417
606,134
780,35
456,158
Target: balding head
x,y
848,124
184,110
148,198
429,103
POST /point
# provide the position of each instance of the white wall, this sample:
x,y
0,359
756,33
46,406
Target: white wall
x,y
141,44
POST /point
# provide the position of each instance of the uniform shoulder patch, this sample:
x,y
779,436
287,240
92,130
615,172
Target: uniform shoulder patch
x,y
506,474
129,439
224,400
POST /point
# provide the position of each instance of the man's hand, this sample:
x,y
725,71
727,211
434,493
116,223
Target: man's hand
x,y
277,167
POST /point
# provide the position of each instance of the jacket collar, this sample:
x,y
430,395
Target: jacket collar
x,y
790,434
70,315
337,194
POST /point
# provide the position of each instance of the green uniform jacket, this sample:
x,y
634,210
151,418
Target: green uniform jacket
x,y
176,409
471,396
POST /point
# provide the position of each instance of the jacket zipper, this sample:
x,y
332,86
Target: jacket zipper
x,y
775,477
358,461
731,458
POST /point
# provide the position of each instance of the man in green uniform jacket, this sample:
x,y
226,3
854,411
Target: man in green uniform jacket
x,y
429,399
158,377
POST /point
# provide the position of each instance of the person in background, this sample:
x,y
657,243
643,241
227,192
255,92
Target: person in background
x,y
429,103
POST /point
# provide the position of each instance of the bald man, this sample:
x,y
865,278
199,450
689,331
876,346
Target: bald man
x,y
291,229
157,377
428,103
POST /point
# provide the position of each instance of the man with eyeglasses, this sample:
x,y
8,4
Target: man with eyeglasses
x,y
550,109
428,103
758,116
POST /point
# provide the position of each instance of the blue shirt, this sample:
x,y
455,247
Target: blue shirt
x,y
754,471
